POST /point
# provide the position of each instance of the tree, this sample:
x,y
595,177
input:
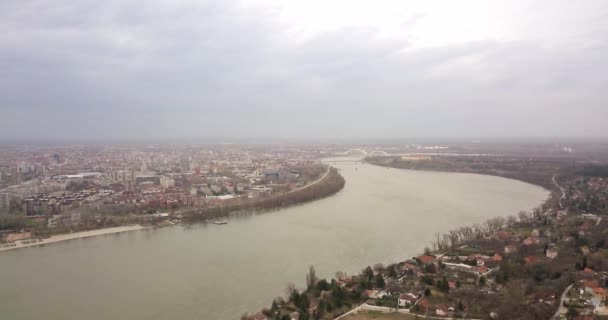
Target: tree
x,y
322,285
482,280
380,281
458,284
572,313
445,284
460,306
584,265
311,277
321,308
392,272
274,306
303,303
290,289
427,292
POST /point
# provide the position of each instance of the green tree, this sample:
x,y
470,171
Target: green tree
x,y
311,277
322,285
369,273
572,313
380,281
321,308
445,285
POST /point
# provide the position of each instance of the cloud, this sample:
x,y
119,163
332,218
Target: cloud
x,y
227,69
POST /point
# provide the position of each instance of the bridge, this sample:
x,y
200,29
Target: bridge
x,y
365,153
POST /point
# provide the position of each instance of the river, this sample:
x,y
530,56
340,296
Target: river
x,y
221,271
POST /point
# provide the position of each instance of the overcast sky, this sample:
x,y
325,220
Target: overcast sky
x,y
110,69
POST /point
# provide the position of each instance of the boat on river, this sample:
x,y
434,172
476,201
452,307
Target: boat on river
x,y
220,222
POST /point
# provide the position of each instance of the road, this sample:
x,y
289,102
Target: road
x,y
312,183
561,199
561,309
366,307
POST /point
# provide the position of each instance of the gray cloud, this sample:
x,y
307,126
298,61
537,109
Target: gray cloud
x,y
120,69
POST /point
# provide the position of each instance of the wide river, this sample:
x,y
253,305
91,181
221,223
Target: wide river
x,y
214,272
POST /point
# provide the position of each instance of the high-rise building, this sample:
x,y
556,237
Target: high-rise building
x,y
4,202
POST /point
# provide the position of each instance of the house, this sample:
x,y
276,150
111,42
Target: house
x,y
551,253
406,299
294,315
591,285
503,235
376,294
424,305
426,259
497,258
600,292
441,312
532,260
531,240
510,249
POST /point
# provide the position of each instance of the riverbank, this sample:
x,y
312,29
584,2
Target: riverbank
x,y
69,236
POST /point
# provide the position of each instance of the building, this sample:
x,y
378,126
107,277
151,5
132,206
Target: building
x,y
552,253
166,183
4,202
406,300
122,176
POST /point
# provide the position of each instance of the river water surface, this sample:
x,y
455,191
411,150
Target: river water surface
x,y
219,272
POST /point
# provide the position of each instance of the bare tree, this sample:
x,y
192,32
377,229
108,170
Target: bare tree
x,y
511,220
290,289
453,238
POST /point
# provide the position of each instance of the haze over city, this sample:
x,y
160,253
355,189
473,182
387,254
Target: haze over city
x,y
302,69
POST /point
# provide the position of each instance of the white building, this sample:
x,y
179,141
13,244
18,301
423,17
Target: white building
x,y
166,183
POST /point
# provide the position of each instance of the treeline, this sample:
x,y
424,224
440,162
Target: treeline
x,y
331,184
534,171
594,171
479,231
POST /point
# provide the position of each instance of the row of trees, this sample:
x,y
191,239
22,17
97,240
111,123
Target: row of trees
x,y
331,184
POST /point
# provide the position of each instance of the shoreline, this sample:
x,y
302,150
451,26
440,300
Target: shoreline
x,y
73,236
120,229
